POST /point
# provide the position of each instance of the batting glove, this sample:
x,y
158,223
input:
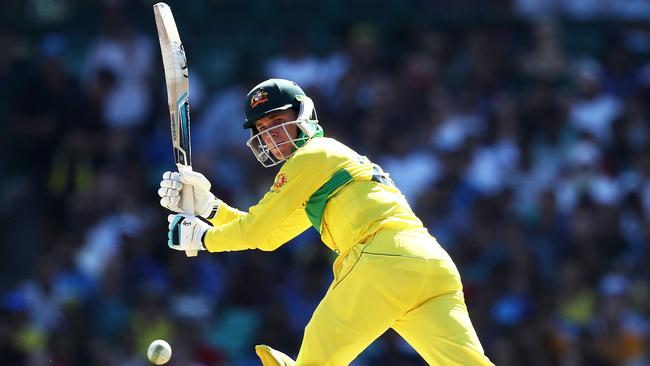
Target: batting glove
x,y
186,232
206,204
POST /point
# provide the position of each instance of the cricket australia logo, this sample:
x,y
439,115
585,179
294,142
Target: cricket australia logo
x,y
259,97
280,180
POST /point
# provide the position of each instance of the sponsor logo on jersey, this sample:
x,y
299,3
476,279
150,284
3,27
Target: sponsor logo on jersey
x,y
259,97
280,180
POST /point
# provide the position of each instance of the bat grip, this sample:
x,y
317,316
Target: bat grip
x,y
187,196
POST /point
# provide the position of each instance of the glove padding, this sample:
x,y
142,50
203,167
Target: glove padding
x,y
171,185
186,232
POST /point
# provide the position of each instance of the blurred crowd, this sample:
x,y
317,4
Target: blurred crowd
x,y
517,129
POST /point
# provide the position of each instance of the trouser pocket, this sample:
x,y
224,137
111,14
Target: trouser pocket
x,y
344,264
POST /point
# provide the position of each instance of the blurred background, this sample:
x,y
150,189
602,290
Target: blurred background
x,y
517,129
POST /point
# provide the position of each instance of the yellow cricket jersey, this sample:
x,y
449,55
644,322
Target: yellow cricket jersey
x,y
326,185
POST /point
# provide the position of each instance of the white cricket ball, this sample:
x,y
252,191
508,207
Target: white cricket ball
x,y
159,352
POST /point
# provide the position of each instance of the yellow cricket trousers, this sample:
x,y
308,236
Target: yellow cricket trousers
x,y
402,280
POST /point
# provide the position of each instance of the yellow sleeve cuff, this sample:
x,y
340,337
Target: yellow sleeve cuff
x,y
225,214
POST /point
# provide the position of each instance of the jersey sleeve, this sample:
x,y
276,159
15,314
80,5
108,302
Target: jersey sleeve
x,y
279,216
225,214
295,224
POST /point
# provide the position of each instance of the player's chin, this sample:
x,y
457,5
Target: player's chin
x,y
277,154
281,153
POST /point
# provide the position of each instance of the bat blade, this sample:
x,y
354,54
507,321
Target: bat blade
x,y
177,81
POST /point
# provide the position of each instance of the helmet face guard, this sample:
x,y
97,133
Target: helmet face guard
x,y
307,126
264,152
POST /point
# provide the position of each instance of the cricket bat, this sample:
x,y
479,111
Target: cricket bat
x,y
177,80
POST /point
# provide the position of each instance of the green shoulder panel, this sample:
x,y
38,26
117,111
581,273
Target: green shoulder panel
x,y
318,200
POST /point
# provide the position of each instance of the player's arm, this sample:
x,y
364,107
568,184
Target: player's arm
x,y
208,206
277,217
292,226
187,232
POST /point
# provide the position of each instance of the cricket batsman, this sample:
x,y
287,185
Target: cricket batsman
x,y
389,273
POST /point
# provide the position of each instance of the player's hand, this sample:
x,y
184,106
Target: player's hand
x,y
170,191
186,232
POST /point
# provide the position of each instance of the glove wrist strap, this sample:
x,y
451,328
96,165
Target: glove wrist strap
x,y
212,209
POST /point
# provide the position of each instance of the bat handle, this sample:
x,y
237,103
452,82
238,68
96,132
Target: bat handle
x,y
187,195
